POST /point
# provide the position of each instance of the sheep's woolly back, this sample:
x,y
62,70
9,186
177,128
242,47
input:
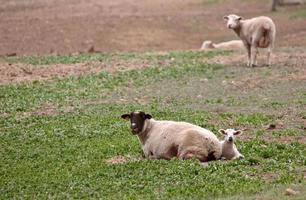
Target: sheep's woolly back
x,y
167,139
256,28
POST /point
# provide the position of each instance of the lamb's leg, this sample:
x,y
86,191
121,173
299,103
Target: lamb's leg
x,y
238,155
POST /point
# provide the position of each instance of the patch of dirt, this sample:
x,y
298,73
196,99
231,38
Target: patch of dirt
x,y
269,176
291,192
46,109
283,57
295,60
69,26
285,139
246,137
143,100
122,159
14,73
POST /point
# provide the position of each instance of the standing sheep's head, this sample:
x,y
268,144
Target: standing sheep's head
x,y
230,134
137,119
233,21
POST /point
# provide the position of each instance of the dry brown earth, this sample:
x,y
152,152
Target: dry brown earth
x,y
69,26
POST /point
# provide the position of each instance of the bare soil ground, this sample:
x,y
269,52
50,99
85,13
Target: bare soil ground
x,y
69,26
20,72
122,159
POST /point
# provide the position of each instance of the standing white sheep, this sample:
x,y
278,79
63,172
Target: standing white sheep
x,y
258,32
229,149
169,139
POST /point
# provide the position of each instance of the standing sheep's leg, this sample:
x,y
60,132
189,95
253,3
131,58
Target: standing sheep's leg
x,y
256,54
248,47
269,55
253,56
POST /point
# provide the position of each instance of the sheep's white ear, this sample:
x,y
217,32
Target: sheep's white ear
x,y
126,116
222,131
238,132
225,18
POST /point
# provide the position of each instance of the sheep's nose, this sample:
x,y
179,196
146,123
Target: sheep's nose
x,y
230,139
229,26
133,125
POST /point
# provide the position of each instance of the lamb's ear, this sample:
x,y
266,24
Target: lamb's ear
x,y
148,116
238,132
225,18
126,116
222,131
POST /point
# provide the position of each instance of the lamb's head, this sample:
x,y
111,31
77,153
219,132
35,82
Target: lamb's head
x,y
137,119
207,45
233,21
230,134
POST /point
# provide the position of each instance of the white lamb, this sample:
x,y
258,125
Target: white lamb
x,y
169,139
229,149
258,32
229,45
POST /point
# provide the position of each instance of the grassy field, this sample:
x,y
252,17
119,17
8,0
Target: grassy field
x,y
61,138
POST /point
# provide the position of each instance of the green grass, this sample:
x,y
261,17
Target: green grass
x,y
208,2
100,57
300,13
63,154
56,59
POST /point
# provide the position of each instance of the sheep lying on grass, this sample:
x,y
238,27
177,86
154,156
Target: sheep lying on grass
x,y
258,32
169,139
229,149
229,45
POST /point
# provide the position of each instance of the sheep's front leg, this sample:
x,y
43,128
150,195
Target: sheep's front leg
x,y
147,152
248,48
253,56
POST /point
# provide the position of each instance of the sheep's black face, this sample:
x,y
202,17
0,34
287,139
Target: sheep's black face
x,y
137,120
